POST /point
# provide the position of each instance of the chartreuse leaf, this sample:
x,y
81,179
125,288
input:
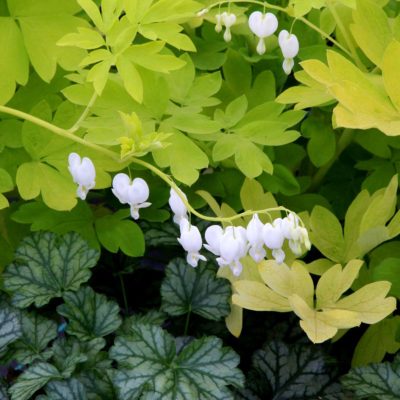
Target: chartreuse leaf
x,y
116,232
37,332
90,314
330,241
33,379
46,266
79,219
185,168
70,389
6,184
366,219
10,326
371,30
291,288
150,367
42,25
35,178
376,341
380,381
196,290
299,372
14,63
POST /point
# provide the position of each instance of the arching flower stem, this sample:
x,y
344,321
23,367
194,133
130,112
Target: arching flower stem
x,y
285,10
115,157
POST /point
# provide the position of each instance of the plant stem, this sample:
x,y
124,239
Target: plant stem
x,y
85,113
346,37
125,298
114,156
344,141
187,321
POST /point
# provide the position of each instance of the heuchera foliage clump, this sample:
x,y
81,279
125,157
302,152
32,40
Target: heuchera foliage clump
x,y
198,200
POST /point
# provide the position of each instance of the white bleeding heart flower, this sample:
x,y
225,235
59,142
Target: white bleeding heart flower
x,y
177,206
254,233
218,25
228,19
135,193
262,25
233,246
191,241
83,174
273,236
213,237
289,45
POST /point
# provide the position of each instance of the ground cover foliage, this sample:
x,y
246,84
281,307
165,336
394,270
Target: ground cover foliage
x,y
294,114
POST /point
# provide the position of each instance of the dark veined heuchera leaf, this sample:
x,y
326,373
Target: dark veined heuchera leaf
x,y
90,314
37,332
71,389
300,372
47,266
378,381
151,368
198,290
10,326
33,379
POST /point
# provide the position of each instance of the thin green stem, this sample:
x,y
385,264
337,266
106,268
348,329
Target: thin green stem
x,y
187,321
345,35
85,113
114,156
286,10
344,141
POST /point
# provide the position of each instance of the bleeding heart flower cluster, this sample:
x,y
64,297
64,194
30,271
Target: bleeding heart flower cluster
x,y
233,243
262,25
230,245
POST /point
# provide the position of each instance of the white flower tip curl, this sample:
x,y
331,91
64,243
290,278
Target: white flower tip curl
x,y
261,47
288,65
83,174
279,255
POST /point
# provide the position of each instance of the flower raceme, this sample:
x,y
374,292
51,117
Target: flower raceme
x,y
135,193
83,174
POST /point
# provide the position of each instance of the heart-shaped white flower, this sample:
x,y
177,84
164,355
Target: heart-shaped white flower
x,y
263,25
288,43
83,173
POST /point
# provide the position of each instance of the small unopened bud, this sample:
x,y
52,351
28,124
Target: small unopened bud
x,y
202,12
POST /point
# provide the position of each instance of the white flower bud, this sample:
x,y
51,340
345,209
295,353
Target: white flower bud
x,y
218,25
177,206
202,12
83,174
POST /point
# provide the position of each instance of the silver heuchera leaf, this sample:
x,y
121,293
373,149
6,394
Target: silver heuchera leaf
x,y
150,367
196,290
10,326
90,314
47,266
